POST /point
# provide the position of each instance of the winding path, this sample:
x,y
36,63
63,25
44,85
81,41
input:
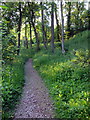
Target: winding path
x,y
35,101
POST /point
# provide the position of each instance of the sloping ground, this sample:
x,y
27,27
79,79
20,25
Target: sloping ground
x,y
35,101
67,76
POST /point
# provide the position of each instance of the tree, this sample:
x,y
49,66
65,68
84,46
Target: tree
x,y
32,20
52,27
26,40
62,19
30,34
43,29
19,27
78,21
58,26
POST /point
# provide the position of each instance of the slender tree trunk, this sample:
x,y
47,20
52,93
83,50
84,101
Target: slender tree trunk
x,y
26,41
52,27
69,20
43,29
36,35
57,22
62,19
30,35
19,27
46,35
32,20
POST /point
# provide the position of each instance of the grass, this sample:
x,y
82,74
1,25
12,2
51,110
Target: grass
x,y
66,77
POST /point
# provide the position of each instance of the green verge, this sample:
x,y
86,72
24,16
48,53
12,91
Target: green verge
x,y
12,83
67,77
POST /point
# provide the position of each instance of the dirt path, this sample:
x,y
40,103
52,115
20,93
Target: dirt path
x,y
35,102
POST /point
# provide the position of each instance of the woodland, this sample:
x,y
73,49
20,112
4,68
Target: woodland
x,y
56,36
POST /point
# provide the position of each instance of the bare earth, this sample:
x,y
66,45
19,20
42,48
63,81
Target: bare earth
x,y
35,101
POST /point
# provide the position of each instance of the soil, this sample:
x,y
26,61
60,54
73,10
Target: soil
x,y
35,101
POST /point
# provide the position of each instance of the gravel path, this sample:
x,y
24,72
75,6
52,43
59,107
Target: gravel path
x,y
35,101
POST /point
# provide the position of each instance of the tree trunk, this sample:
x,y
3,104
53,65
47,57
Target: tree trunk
x,y
19,27
46,31
52,27
32,16
36,35
30,35
62,19
43,29
26,41
57,22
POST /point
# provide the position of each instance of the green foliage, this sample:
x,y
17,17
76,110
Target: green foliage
x,y
12,83
67,77
9,47
8,44
79,41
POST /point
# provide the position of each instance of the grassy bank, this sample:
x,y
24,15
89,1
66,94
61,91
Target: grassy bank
x,y
67,77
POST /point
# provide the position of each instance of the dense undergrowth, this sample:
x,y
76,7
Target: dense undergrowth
x,y
66,76
12,84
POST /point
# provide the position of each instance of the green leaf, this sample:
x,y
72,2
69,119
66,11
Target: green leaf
x,y
4,7
6,21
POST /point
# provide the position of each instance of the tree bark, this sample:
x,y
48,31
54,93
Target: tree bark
x,y
43,29
36,35
52,27
62,19
30,35
32,16
19,27
57,22
26,41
